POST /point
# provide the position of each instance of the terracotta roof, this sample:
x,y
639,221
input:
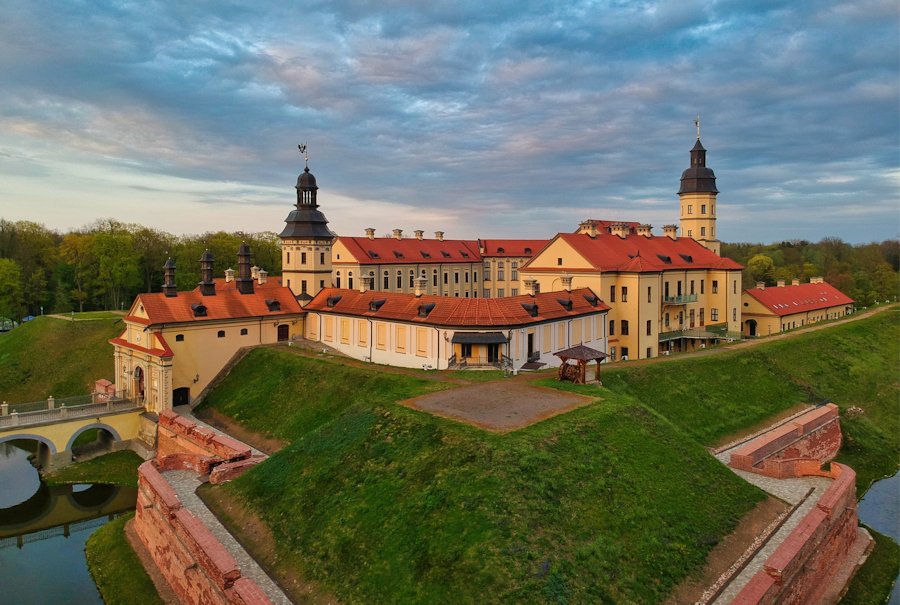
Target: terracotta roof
x,y
163,351
639,254
512,247
800,298
458,312
390,250
603,225
227,303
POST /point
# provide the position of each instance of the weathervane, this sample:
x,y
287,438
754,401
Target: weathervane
x,y
304,153
697,124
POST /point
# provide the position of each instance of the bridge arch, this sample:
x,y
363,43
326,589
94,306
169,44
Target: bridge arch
x,y
30,437
87,427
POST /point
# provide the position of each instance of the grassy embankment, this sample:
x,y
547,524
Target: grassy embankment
x,y
50,356
116,569
379,503
872,583
118,468
716,397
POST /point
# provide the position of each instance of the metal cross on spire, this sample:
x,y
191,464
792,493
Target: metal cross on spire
x,y
697,124
304,153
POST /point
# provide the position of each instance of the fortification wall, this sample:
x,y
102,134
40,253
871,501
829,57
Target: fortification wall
x,y
803,569
194,563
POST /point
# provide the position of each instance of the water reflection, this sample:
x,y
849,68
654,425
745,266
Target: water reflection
x,y
43,530
880,510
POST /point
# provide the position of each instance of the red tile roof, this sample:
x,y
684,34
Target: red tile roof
x,y
389,250
800,298
602,225
163,351
458,312
512,247
639,254
228,303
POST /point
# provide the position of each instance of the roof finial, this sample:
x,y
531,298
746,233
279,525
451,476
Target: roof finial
x,y
304,153
697,124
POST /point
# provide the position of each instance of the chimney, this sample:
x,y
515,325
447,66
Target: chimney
x,y
620,229
229,275
645,230
760,285
780,283
588,227
439,236
207,285
420,283
169,288
670,231
261,276
366,282
419,233
398,233
244,280
566,281
795,282
816,280
254,271
370,232
532,286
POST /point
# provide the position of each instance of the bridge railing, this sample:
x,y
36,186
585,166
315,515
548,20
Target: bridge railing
x,y
59,411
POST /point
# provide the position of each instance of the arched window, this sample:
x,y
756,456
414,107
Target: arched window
x,y
221,334
179,338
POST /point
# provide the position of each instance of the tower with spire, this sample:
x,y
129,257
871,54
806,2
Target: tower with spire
x,y
306,241
698,198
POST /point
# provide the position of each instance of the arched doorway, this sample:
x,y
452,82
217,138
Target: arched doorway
x,y
181,396
139,383
751,327
283,330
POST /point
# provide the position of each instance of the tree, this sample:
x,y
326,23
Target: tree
x,y
761,268
117,267
77,249
11,305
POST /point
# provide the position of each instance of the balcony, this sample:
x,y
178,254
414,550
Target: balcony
x,y
681,299
709,332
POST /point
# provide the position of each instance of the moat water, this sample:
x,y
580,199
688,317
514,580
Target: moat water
x,y
880,510
43,531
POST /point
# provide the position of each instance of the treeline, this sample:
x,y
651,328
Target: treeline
x,y
867,273
107,263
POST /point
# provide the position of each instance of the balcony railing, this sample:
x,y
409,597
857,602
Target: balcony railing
x,y
710,332
681,299
11,416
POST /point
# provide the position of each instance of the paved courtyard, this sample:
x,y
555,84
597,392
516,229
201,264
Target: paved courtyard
x,y
501,405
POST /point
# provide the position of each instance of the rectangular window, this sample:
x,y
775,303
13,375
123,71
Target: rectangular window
x,y
666,290
649,294
624,293
486,293
734,314
446,278
559,262
412,276
362,332
514,292
501,292
399,281
612,353
690,233
702,319
624,353
303,258
714,314
329,328
624,327
422,342
734,286
612,327
612,294
322,258
649,328
678,287
649,352
702,286
692,286
380,336
666,320
702,208
345,330
288,258
321,284
465,350
302,286
690,209
387,282
715,286
501,275
434,279
702,231
456,277
400,339
466,277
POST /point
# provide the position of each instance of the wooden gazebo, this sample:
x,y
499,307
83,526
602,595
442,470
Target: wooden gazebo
x,y
577,373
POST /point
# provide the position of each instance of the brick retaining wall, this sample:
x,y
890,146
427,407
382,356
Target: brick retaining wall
x,y
802,568
194,563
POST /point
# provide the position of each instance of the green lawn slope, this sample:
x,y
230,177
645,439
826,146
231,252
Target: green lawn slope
x,y
381,504
50,356
853,364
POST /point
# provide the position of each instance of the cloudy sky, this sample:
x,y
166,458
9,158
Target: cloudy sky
x,y
498,118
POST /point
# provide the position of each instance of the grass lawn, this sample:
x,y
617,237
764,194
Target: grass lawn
x,y
116,569
379,503
49,356
118,468
872,583
98,315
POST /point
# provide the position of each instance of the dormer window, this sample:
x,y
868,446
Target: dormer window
x,y
373,254
531,308
527,250
501,250
273,305
425,254
566,303
425,309
445,254
666,259
687,258
464,254
331,301
375,305
398,254
592,300
199,309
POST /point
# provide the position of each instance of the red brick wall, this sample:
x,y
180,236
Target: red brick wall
x,y
782,452
195,564
179,435
799,570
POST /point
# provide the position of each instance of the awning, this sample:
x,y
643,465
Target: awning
x,y
479,338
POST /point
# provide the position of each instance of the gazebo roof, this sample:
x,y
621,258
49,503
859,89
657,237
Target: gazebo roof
x,y
581,353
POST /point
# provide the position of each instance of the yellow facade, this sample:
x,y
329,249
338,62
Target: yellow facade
x,y
758,320
306,264
698,219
